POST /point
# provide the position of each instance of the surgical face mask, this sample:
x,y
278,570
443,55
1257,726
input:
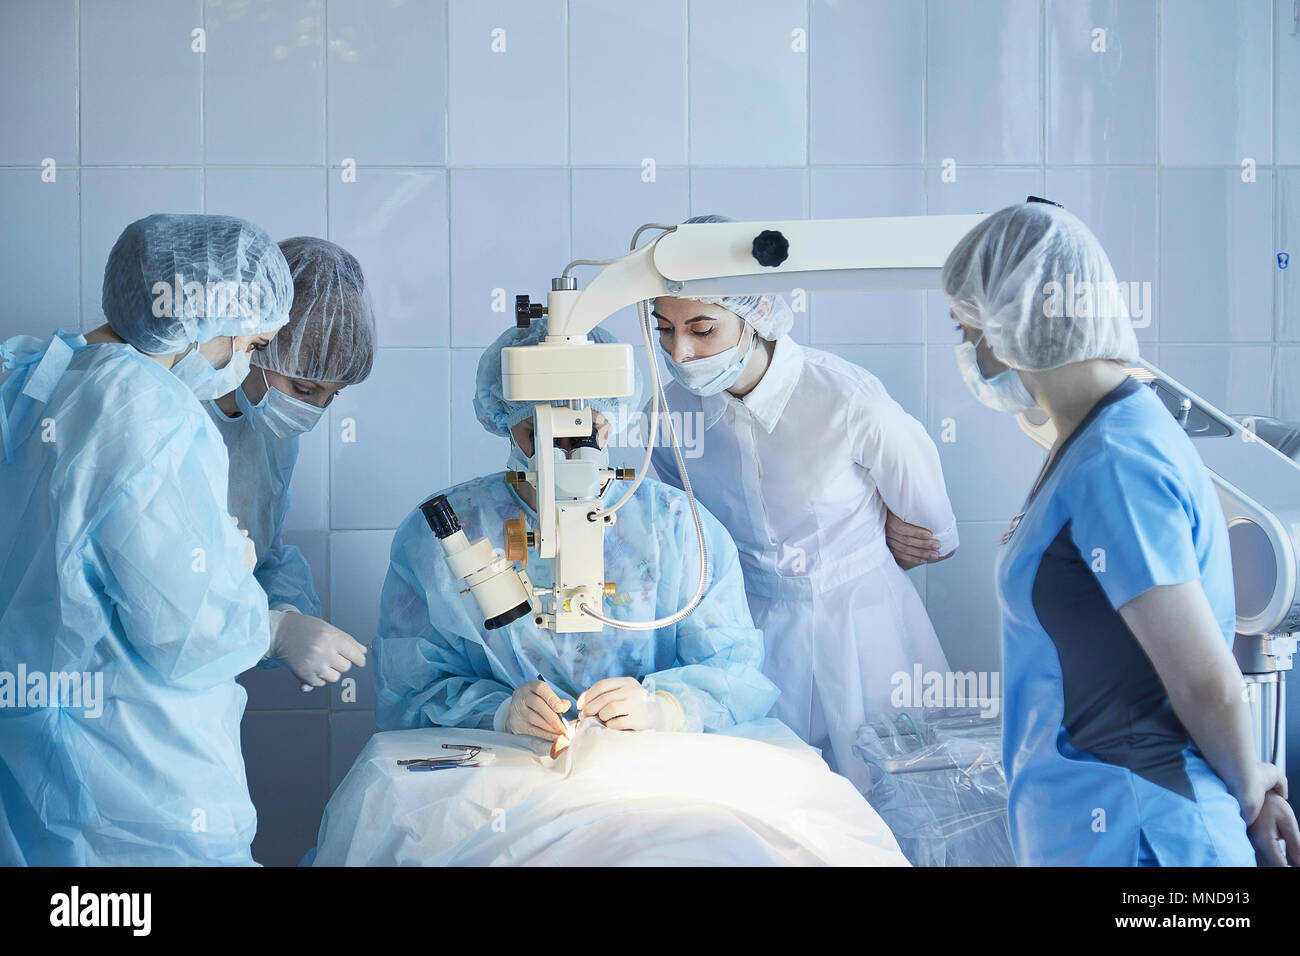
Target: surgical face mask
x,y
517,460
1004,392
712,373
207,382
282,415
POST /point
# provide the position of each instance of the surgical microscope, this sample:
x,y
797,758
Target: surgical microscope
x,y
561,374
1259,487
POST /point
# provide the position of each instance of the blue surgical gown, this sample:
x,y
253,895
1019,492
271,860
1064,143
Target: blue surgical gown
x,y
1100,769
436,664
119,561
261,469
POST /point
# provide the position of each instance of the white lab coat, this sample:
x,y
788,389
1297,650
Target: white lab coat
x,y
800,471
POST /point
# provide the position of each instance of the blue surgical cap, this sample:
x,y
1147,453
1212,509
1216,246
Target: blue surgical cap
x,y
770,315
176,279
498,415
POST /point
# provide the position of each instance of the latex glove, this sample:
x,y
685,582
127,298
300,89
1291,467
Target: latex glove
x,y
1275,822
910,544
249,557
535,710
314,650
621,703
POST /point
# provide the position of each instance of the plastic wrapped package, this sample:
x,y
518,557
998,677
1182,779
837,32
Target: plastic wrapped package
x,y
937,780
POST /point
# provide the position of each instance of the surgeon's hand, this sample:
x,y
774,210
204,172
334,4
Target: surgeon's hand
x,y
314,650
249,557
910,544
603,427
621,703
1275,822
535,710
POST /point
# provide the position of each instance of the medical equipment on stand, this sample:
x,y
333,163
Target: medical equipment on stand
x,y
1259,490
690,261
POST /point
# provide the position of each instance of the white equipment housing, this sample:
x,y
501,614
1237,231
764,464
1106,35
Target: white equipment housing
x,y
695,259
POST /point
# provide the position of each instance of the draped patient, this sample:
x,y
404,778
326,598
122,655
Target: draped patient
x,y
436,664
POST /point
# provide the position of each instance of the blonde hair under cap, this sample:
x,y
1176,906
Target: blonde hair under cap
x,y
1010,274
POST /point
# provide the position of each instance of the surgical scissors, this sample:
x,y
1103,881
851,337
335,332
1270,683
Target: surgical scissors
x,y
469,752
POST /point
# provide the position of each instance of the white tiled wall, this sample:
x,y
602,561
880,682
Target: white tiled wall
x,y
479,174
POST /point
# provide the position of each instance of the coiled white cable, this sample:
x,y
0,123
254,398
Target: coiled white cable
x,y
643,313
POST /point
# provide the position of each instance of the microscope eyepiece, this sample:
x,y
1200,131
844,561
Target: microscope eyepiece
x,y
589,441
442,519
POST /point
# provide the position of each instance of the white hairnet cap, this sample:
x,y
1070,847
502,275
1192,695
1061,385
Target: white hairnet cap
x,y
1039,284
176,279
330,336
770,315
498,415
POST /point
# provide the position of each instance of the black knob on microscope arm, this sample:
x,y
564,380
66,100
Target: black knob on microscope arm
x,y
771,248
526,311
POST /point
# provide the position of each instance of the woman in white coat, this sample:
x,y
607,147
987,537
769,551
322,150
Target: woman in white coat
x,y
805,458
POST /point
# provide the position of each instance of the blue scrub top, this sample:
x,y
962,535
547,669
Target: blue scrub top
x,y
1101,770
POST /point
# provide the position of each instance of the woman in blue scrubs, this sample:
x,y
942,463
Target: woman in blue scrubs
x,y
1127,740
